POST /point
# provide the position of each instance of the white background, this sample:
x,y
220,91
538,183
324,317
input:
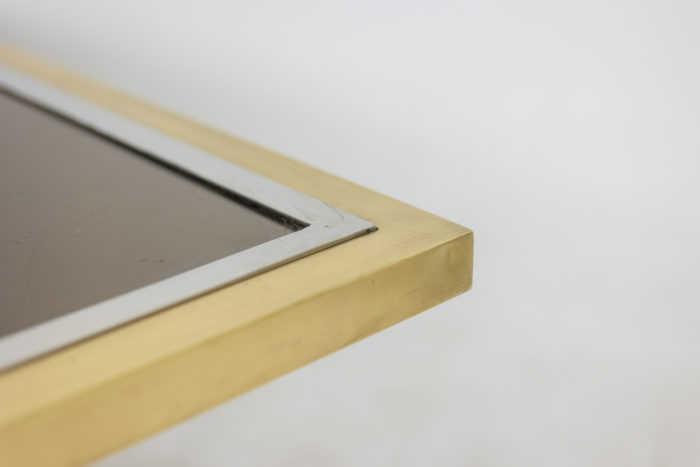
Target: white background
x,y
564,133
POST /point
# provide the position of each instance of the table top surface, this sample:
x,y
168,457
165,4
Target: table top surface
x,y
86,219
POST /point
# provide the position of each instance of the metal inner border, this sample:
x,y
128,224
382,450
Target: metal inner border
x,y
327,225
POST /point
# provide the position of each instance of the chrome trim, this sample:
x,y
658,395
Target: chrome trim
x,y
327,226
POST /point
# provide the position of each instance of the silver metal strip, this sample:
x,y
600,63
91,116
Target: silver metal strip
x,y
328,226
